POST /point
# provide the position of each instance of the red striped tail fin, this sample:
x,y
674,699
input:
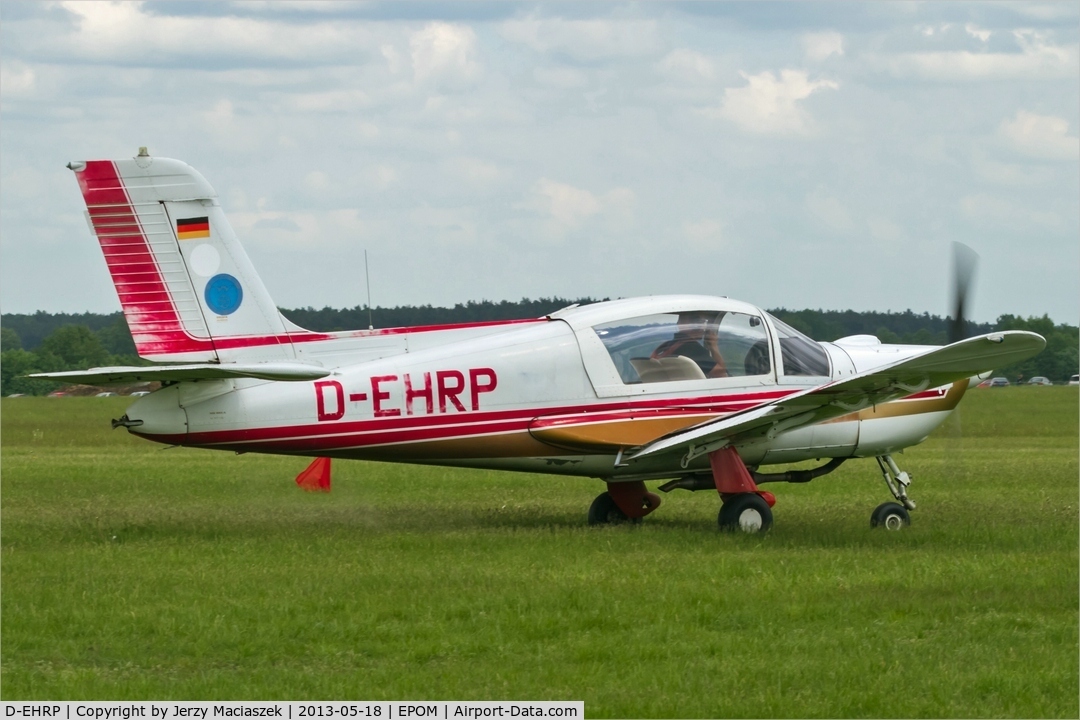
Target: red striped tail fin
x,y
187,288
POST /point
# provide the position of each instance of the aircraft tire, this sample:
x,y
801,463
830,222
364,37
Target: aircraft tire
x,y
891,516
746,512
604,511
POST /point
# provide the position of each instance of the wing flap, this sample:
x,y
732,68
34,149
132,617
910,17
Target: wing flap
x,y
931,369
287,372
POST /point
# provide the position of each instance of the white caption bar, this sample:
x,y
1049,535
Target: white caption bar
x,y
396,710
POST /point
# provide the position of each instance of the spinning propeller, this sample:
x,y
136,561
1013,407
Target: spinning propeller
x,y
964,261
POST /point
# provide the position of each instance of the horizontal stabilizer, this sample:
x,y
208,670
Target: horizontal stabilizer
x,y
200,371
931,369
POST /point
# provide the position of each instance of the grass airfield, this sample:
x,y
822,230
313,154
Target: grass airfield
x,y
135,572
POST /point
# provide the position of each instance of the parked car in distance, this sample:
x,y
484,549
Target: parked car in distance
x,y
17,395
57,393
1074,380
106,394
995,382
139,393
1039,380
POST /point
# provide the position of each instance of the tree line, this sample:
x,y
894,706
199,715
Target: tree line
x,y
48,342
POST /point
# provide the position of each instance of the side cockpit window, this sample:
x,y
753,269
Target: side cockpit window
x,y
801,355
687,346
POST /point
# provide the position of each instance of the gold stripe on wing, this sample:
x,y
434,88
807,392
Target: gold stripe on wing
x,y
509,445
900,408
610,436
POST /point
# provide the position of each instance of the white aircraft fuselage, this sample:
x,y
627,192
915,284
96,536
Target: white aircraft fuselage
x,y
539,396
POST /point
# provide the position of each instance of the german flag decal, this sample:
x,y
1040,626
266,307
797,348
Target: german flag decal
x,y
192,228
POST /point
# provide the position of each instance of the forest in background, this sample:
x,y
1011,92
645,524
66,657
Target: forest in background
x,y
49,342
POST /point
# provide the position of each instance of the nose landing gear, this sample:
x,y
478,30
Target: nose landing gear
x,y
893,515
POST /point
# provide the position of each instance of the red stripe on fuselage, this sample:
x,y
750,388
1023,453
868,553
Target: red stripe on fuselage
x,y
342,434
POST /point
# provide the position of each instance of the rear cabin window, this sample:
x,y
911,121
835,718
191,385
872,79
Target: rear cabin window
x,y
801,355
687,346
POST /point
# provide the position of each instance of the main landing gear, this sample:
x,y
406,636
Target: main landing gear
x,y
745,512
745,507
893,515
623,502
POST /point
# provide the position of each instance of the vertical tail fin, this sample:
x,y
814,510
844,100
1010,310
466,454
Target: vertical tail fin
x,y
188,291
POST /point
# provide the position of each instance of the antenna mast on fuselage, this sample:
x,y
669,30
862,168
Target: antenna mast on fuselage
x,y
367,281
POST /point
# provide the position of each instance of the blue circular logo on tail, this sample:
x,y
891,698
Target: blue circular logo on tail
x,y
223,294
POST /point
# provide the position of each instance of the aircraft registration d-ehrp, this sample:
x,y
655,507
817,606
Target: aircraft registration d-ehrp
x,y
698,391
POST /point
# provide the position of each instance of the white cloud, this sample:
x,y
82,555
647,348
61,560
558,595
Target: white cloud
x,y
447,226
819,46
475,170
568,208
16,78
566,204
1040,136
560,77
829,210
1045,11
104,32
276,230
1038,58
220,117
272,231
288,5
706,234
977,32
317,180
885,231
384,176
1012,175
328,101
997,212
769,104
392,57
684,65
443,51
584,39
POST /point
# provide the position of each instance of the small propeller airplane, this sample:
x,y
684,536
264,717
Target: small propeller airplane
x,y
697,391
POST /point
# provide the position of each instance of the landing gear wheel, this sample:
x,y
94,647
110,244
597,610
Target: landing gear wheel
x,y
745,512
891,516
604,511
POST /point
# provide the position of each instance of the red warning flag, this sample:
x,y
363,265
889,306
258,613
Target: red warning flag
x,y
316,476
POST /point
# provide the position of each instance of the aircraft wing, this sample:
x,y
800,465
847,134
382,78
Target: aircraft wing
x,y
198,371
931,369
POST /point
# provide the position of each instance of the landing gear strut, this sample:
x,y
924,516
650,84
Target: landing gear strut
x,y
893,515
745,508
623,502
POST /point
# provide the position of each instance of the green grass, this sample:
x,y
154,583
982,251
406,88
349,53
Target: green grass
x,y
131,571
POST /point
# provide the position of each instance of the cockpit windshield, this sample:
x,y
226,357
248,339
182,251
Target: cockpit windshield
x,y
801,355
687,346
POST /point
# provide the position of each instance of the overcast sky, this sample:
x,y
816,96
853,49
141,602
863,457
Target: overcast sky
x,y
804,155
